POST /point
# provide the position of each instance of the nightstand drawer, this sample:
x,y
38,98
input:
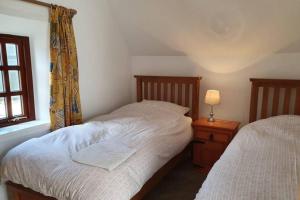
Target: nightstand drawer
x,y
207,153
210,141
211,136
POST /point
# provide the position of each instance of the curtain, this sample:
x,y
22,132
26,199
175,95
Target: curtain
x,y
65,108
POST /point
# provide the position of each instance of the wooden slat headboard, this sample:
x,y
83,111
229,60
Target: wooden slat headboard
x,y
180,90
272,97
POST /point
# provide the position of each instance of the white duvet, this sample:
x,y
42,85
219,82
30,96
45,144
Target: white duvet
x,y
45,165
261,163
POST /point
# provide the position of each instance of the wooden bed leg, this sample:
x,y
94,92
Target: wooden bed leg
x,y
12,194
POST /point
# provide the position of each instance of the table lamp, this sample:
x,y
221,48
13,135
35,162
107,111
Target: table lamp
x,y
212,98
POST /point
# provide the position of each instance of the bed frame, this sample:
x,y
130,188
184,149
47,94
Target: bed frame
x,y
179,90
272,97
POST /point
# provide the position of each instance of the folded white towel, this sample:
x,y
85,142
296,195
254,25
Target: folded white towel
x,y
105,154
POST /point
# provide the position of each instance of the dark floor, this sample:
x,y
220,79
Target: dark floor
x,y
182,183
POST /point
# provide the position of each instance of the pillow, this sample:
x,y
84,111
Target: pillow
x,y
168,106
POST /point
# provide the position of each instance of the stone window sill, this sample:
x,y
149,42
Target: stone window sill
x,y
33,127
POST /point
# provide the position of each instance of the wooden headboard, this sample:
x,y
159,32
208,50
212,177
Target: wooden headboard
x,y
180,90
272,97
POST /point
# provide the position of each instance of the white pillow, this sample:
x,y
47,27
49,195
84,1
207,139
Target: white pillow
x,y
168,106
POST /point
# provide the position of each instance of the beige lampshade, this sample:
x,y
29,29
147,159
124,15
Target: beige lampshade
x,y
212,97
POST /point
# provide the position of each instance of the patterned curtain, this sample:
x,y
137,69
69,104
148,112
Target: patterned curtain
x,y
65,108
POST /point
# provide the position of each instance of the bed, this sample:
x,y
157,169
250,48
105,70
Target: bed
x,y
41,169
262,161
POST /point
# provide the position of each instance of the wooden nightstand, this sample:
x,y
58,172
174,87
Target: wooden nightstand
x,y
210,141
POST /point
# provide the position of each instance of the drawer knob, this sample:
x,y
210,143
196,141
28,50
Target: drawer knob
x,y
211,136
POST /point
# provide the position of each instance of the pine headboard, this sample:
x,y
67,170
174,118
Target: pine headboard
x,y
180,90
272,97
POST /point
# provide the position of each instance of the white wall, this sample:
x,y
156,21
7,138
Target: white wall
x,y
235,87
39,56
104,68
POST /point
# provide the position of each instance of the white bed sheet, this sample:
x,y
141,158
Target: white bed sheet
x,y
44,164
262,162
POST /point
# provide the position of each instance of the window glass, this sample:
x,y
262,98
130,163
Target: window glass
x,y
14,80
3,112
12,54
17,107
1,82
16,104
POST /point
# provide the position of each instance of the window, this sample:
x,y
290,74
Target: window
x,y
16,90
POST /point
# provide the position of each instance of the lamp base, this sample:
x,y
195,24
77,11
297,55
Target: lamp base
x,y
211,119
211,115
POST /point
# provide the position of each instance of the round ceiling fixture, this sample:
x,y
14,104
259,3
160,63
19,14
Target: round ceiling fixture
x,y
227,25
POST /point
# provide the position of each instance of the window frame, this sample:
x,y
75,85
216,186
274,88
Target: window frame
x,y
26,83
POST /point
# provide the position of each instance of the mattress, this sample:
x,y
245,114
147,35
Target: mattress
x,y
44,164
262,162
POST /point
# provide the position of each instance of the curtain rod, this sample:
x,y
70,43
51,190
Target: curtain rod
x,y
74,12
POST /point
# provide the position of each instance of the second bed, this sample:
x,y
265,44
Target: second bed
x,y
263,160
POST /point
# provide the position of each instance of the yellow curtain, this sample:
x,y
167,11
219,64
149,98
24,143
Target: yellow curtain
x,y
65,108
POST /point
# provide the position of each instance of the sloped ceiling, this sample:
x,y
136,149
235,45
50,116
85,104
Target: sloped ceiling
x,y
220,35
24,10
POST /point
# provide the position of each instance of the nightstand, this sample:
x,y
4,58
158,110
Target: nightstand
x,y
211,140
